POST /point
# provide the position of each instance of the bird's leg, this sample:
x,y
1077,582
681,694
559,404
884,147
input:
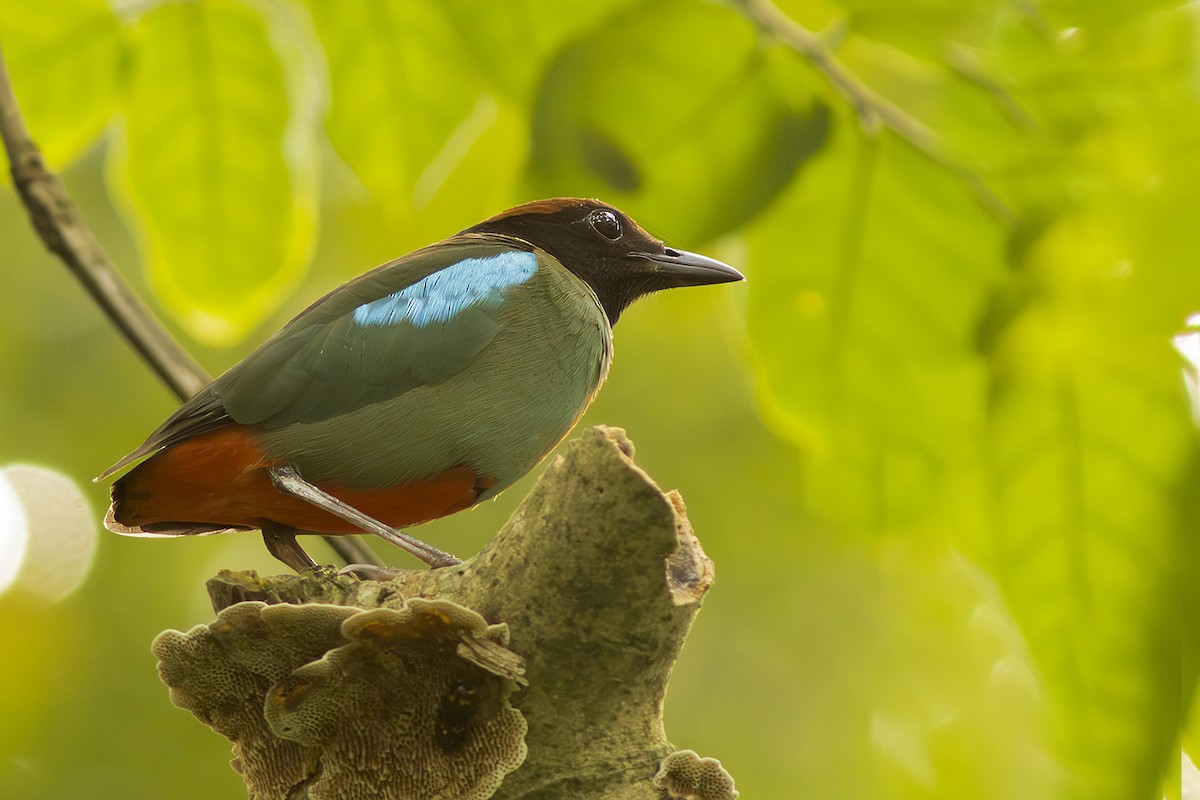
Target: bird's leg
x,y
287,480
281,543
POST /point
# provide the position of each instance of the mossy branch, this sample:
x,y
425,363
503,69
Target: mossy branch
x,y
568,623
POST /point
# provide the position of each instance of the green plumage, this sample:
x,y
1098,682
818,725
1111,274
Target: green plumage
x,y
520,393
492,388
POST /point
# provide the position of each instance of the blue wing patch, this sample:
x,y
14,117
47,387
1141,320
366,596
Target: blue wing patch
x,y
340,355
444,294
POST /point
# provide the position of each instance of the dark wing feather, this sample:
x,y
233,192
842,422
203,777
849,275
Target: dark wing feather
x,y
201,414
323,363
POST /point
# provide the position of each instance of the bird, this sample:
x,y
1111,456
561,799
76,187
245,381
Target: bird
x,y
413,391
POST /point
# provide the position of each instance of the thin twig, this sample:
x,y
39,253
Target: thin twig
x,y
873,110
65,233
965,64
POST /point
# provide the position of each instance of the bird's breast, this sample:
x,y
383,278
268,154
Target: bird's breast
x,y
500,416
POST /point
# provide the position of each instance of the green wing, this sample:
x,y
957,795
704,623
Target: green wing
x,y
412,322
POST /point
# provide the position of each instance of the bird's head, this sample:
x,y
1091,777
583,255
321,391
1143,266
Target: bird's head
x,y
606,249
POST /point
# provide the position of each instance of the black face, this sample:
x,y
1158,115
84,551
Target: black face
x,y
606,249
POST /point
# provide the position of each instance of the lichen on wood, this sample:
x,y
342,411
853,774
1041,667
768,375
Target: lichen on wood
x,y
564,628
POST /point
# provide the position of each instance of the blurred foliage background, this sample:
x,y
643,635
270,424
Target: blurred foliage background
x,y
938,445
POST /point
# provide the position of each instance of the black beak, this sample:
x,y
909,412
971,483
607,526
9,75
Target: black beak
x,y
681,268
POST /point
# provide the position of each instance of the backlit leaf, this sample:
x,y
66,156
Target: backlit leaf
x,y
226,217
513,41
66,58
1005,382
721,128
406,101
866,284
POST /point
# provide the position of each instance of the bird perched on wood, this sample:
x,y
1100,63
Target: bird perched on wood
x,y
415,390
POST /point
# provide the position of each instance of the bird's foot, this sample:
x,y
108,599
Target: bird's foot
x,y
426,552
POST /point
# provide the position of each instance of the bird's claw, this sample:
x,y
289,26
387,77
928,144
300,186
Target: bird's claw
x,y
370,572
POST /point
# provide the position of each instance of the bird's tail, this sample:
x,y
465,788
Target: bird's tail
x,y
185,490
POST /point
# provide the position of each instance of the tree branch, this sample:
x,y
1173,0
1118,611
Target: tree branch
x,y
65,233
590,590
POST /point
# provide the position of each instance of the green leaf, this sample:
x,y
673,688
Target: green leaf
x,y
1093,465
1009,385
512,41
226,216
406,102
1093,459
866,283
66,58
925,27
709,116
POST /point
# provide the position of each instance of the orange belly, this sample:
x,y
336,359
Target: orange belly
x,y
220,479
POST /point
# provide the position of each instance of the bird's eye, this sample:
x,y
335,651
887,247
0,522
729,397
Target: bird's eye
x,y
606,224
